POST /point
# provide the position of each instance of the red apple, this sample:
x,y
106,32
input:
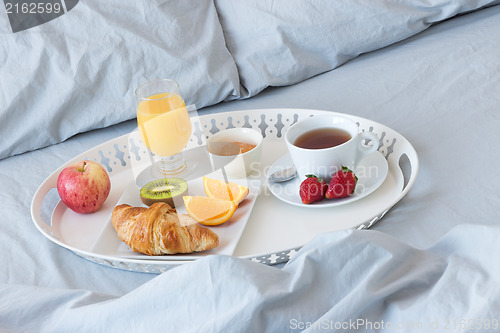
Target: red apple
x,y
83,186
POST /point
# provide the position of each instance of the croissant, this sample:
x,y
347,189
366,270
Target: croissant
x,y
157,230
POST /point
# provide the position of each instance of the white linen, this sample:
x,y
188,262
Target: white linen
x,y
281,42
348,281
69,76
79,71
433,257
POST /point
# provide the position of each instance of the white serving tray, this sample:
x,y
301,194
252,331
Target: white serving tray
x,y
274,230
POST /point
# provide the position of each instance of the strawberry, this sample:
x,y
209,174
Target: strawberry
x,y
312,189
342,184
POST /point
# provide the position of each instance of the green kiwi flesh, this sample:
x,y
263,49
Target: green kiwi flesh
x,y
163,190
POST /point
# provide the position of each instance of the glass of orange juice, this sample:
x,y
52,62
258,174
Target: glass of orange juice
x,y
164,125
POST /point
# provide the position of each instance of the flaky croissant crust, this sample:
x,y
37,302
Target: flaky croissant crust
x,y
157,230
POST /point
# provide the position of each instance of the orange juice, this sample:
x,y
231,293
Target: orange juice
x,y
164,124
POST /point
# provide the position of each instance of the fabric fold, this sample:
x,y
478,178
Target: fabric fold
x,y
348,280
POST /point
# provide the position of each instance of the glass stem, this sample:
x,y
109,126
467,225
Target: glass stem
x,y
171,165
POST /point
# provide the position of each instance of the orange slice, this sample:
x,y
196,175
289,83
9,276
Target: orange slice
x,y
209,211
215,188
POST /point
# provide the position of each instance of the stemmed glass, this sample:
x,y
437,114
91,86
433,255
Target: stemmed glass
x,y
164,125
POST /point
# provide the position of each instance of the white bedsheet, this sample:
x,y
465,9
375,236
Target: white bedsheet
x,y
349,281
68,76
432,260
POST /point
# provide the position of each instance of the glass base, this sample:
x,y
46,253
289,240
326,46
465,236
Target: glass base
x,y
156,171
172,166
197,165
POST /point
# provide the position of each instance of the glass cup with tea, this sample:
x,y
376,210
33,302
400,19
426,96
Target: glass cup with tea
x,y
236,150
321,145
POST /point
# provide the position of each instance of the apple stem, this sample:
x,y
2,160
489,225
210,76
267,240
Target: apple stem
x,y
82,169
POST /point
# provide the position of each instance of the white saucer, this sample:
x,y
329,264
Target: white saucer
x,y
371,173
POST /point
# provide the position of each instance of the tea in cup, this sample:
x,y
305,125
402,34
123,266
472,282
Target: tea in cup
x,y
236,150
321,145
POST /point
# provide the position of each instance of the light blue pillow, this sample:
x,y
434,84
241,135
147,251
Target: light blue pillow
x,y
281,42
78,71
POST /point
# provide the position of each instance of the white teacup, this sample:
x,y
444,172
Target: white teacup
x,y
325,162
236,165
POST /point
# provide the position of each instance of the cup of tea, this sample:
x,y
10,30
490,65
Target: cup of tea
x,y
236,150
321,145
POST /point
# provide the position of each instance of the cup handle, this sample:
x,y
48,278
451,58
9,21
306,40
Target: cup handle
x,y
364,150
369,136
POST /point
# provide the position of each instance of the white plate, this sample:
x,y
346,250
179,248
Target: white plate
x,y
371,173
229,233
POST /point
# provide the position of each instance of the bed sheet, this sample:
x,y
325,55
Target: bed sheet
x,y
429,265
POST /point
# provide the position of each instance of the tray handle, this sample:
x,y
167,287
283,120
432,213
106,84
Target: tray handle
x,y
406,164
37,202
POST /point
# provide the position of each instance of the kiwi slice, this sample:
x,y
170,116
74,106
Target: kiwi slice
x,y
163,190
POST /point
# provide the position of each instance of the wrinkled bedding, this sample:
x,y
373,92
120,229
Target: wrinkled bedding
x,y
430,265
373,282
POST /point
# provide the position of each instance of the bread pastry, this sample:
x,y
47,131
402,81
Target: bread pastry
x,y
157,230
